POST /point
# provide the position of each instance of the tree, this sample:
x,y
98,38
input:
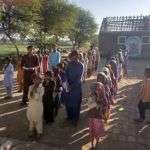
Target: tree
x,y
84,28
53,20
14,20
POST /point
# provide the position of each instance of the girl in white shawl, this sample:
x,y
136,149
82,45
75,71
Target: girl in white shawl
x,y
35,107
8,77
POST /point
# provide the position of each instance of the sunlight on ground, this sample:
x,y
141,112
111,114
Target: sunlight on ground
x,y
11,112
79,132
11,102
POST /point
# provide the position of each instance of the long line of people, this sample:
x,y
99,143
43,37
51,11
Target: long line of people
x,y
103,93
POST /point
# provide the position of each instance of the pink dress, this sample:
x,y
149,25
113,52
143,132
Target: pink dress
x,y
96,127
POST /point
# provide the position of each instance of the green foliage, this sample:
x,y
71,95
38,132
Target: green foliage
x,y
44,22
53,20
84,29
8,49
14,21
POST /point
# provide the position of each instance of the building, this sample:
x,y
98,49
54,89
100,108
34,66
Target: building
x,y
128,33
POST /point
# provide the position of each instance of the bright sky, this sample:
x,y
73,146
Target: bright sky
x,y
103,8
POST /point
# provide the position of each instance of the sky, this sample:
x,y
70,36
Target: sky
x,y
106,8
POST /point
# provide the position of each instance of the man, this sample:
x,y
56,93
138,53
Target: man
x,y
54,58
74,74
30,64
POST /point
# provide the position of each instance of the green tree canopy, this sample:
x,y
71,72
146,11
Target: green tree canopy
x,y
54,19
84,28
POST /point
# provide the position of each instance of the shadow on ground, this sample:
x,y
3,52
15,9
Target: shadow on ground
x,y
121,132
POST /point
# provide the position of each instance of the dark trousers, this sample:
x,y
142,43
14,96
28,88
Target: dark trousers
x,y
143,106
57,104
27,81
48,112
73,113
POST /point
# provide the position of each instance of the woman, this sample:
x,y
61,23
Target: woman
x,y
74,74
20,75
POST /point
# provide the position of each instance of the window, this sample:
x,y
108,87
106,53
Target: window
x,y
146,40
121,39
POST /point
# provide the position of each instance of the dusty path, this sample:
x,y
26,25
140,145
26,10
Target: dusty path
x,y
122,133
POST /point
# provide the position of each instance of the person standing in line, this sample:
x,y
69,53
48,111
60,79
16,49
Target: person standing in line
x,y
30,64
101,77
95,114
48,99
74,74
8,77
54,57
114,65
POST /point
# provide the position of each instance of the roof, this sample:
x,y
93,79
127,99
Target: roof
x,y
128,23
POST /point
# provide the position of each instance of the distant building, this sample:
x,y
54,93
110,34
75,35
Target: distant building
x,y
128,33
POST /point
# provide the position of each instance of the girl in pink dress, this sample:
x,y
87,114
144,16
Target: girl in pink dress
x,y
96,126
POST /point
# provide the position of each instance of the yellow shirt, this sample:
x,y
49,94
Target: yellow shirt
x,y
146,90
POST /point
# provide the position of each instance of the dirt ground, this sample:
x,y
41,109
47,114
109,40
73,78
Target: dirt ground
x,y
121,131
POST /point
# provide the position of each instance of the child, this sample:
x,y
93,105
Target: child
x,y
109,84
48,100
144,103
114,81
58,91
8,77
35,107
101,77
96,127
63,77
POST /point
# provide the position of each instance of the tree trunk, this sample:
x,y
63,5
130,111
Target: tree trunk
x,y
14,44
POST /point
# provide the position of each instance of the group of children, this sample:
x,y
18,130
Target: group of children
x,y
103,93
45,98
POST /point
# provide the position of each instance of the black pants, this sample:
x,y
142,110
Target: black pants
x,y
56,105
143,106
26,83
48,112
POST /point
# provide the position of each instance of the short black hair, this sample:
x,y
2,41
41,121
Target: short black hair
x,y
30,47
